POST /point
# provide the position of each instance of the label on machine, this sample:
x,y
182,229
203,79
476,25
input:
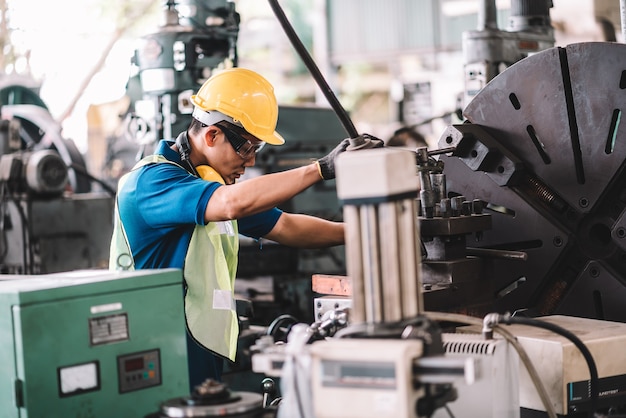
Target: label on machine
x,y
108,329
356,374
609,389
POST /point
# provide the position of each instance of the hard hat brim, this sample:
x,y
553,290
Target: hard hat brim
x,y
212,117
274,139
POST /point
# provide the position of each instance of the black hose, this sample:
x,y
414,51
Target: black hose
x,y
591,364
280,320
314,70
78,169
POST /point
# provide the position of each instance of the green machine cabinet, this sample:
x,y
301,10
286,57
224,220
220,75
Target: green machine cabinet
x,y
91,343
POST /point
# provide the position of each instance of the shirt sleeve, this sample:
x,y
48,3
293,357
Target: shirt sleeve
x,y
259,225
170,196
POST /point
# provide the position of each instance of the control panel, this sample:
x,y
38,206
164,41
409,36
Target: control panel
x,y
139,370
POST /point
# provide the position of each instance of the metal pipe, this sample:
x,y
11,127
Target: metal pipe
x,y
441,151
314,70
354,261
487,15
372,280
410,260
490,252
389,214
438,183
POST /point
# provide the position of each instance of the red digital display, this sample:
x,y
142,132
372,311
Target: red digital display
x,y
133,364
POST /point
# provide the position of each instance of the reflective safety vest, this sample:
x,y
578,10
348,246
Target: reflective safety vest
x,y
209,272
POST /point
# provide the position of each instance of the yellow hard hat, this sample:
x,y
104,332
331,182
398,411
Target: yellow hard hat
x,y
243,95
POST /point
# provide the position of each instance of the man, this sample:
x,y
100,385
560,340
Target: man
x,y
407,137
183,207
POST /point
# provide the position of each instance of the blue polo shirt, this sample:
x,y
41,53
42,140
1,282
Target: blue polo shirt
x,y
160,205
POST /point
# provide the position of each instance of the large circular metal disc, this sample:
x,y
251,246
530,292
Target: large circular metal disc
x,y
560,110
246,403
558,115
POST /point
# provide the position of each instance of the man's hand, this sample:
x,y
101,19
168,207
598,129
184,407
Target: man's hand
x,y
326,164
365,141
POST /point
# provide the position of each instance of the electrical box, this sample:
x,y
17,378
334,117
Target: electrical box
x,y
91,343
563,369
495,393
362,378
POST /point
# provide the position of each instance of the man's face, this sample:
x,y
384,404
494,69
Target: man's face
x,y
236,150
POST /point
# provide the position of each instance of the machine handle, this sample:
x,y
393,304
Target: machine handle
x,y
317,75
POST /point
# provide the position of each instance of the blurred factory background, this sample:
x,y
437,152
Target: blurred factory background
x,y
518,206
423,53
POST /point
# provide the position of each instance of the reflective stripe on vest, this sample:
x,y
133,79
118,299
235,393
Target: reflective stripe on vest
x,y
209,271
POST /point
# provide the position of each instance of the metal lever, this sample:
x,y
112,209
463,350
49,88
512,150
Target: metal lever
x,y
268,387
317,75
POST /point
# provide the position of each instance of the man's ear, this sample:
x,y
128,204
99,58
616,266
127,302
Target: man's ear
x,y
210,136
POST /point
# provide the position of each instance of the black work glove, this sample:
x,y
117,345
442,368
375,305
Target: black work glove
x,y
326,164
371,141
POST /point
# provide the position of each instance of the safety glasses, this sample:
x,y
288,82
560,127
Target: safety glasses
x,y
243,147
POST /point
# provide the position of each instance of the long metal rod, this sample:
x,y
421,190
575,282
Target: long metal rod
x,y
354,262
489,252
411,259
487,15
314,70
372,280
390,248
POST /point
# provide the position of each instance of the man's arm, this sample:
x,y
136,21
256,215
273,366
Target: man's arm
x,y
259,193
304,231
265,192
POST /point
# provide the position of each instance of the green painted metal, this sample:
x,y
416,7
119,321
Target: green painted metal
x,y
45,326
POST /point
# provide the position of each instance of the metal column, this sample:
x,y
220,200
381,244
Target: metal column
x,y
379,189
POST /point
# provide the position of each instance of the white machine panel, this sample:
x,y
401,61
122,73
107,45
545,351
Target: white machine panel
x,y
562,366
356,378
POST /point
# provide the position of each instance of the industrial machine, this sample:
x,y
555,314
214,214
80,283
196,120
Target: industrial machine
x,y
47,224
520,209
48,207
195,38
488,50
564,370
215,399
385,358
378,357
521,205
518,179
380,360
541,150
91,343
495,392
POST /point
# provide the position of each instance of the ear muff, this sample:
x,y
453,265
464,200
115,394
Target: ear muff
x,y
184,149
